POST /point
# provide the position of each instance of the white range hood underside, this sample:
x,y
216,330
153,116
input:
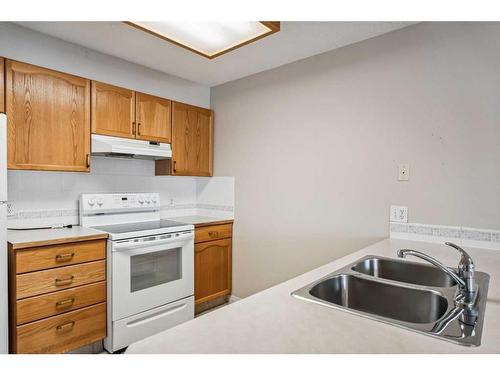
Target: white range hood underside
x,y
103,145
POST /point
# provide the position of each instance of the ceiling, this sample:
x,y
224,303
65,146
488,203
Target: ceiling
x,y
295,41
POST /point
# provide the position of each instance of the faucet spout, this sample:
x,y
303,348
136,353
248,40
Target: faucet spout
x,y
402,253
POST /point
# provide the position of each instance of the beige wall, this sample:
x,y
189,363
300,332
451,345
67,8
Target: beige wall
x,y
315,145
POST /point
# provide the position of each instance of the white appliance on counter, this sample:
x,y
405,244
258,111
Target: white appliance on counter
x,y
4,302
150,265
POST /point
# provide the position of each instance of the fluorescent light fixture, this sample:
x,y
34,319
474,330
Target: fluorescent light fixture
x,y
209,39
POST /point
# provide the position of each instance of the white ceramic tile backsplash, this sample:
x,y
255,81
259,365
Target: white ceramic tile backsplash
x,y
45,198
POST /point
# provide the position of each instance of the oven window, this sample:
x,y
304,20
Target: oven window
x,y
152,269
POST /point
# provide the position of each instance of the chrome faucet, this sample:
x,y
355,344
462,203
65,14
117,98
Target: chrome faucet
x,y
464,277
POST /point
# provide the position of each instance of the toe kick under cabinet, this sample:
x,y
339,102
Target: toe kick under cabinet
x,y
57,296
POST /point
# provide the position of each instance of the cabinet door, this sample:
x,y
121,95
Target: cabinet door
x,y
2,85
212,270
113,110
192,132
153,118
49,119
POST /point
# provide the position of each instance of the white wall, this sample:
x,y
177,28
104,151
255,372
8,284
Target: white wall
x,y
25,45
314,146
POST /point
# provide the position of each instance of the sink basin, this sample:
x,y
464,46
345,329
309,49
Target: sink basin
x,y
404,271
405,294
387,300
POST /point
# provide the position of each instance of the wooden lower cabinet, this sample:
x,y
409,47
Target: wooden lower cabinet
x,y
57,304
213,263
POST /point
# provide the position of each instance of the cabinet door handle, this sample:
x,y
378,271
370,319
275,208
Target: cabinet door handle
x,y
138,128
64,257
65,327
87,160
66,281
175,166
213,234
133,127
65,302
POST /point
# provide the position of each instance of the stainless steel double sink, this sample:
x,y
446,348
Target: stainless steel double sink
x,y
406,294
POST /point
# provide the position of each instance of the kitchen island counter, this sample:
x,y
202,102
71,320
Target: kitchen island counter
x,y
272,321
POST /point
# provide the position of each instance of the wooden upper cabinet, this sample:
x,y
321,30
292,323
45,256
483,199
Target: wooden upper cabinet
x,y
153,118
192,140
49,119
2,85
113,110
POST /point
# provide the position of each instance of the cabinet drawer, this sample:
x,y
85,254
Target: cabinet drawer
x,y
45,257
213,232
39,307
40,282
63,332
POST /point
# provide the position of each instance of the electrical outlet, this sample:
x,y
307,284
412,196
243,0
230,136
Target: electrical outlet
x,y
403,172
10,210
399,214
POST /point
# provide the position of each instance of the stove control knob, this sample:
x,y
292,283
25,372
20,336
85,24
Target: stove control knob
x,y
148,199
99,201
91,201
153,198
140,199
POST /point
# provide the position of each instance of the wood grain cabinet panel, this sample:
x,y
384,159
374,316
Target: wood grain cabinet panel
x,y
64,332
50,304
192,140
44,257
113,110
35,283
212,270
2,85
49,119
213,232
153,118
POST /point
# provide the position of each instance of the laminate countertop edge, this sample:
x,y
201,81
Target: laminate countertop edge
x,y
25,239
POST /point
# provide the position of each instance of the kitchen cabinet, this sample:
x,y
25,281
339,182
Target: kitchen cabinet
x,y
113,110
49,119
192,142
57,298
125,113
2,85
213,262
153,118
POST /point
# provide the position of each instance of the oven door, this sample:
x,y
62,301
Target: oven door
x,y
151,271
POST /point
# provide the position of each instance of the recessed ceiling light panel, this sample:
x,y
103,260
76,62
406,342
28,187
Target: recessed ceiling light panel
x,y
209,39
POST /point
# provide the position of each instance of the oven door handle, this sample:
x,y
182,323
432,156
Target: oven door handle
x,y
131,244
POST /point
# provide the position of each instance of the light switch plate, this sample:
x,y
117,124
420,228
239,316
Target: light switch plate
x,y
403,172
399,214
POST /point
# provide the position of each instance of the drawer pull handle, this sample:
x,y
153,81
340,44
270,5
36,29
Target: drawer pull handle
x,y
65,302
213,234
64,257
65,327
66,281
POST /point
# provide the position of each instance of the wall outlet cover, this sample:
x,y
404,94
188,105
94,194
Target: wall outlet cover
x,y
399,214
403,172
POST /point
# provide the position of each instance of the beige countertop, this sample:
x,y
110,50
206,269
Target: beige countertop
x,y
199,221
20,239
274,322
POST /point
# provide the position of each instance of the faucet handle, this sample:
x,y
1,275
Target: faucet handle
x,y
466,262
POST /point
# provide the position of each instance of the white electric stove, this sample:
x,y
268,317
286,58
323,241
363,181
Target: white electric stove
x,y
150,268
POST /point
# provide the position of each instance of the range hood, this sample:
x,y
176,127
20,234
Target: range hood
x,y
103,145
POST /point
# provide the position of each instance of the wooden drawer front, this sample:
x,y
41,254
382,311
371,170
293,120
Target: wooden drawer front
x,y
45,257
63,332
35,283
39,307
213,232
